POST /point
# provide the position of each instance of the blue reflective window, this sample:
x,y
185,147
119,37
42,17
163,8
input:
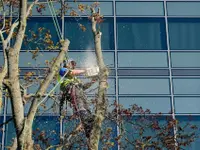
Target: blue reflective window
x,y
184,33
84,40
1,131
143,86
33,24
183,8
1,58
140,8
111,88
187,104
142,59
10,132
83,59
109,124
186,86
155,104
185,59
26,59
49,125
141,33
36,11
140,127
92,90
106,8
49,106
86,59
70,124
192,121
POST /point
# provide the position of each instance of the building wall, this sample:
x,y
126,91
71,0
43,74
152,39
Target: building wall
x,y
152,48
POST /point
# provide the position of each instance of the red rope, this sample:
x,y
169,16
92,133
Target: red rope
x,y
73,95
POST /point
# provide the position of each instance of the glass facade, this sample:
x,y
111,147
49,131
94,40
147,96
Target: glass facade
x,y
151,47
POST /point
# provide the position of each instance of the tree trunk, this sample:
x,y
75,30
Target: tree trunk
x,y
39,95
102,91
15,93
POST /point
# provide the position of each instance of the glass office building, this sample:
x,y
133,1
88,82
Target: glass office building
x,y
152,48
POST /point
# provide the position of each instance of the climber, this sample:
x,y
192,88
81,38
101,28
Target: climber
x,y
73,91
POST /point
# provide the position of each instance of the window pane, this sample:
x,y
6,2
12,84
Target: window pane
x,y
48,124
83,59
185,59
111,87
184,33
183,8
140,8
26,59
1,58
142,59
192,121
49,106
187,104
140,127
37,11
186,86
106,8
10,132
185,72
143,72
84,40
1,131
33,24
109,124
141,33
70,124
155,104
143,86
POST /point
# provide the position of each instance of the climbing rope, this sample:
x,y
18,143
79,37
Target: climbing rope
x,y
58,30
45,98
55,19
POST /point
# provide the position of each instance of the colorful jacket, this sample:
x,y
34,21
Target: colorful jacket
x,y
68,78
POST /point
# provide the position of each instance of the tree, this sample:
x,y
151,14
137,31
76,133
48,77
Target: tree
x,y
9,75
9,79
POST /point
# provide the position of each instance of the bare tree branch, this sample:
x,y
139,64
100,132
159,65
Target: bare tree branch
x,y
2,37
66,142
7,121
4,20
14,25
44,85
30,8
14,145
4,70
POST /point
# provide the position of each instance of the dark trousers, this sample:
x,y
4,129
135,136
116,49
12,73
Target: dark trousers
x,y
75,95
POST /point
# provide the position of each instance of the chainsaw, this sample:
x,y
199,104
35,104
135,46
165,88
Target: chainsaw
x,y
92,71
